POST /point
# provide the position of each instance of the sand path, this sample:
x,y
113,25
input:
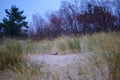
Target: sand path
x,y
70,66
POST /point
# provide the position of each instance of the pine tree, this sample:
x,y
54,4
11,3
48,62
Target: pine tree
x,y
14,21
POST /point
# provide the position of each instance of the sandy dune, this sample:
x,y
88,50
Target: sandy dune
x,y
70,66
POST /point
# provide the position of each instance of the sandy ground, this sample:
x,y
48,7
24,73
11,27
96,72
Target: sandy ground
x,y
70,66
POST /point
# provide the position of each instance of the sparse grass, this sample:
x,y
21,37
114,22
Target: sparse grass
x,y
24,72
32,72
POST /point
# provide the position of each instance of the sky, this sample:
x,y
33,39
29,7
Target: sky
x,y
30,7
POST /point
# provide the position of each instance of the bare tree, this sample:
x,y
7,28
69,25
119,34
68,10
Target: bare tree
x,y
38,24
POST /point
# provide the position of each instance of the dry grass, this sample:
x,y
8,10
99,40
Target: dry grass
x,y
67,44
10,54
105,46
30,46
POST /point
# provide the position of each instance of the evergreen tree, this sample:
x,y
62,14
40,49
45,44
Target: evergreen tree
x,y
13,23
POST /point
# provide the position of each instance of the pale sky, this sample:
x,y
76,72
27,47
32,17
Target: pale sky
x,y
30,7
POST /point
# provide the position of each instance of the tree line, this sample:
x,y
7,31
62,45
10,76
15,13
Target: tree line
x,y
70,19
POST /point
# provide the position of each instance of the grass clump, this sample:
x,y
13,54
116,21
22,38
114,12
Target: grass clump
x,y
10,54
27,46
107,45
68,44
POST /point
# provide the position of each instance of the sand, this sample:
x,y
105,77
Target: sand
x,y
70,66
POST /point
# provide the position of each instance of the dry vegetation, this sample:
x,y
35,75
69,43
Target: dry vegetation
x,y
107,45
104,46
